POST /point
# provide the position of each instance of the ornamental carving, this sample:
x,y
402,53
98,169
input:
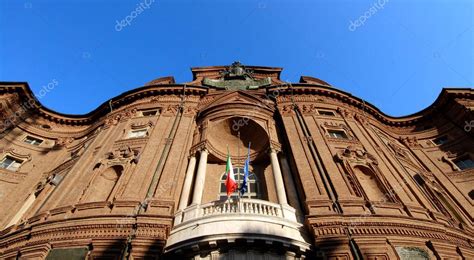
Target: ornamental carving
x,y
121,156
287,110
190,110
307,109
400,152
141,124
115,118
64,141
171,110
361,118
363,176
356,155
409,141
345,112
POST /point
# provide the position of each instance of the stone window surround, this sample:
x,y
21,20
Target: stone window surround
x,y
337,133
14,163
326,112
337,126
451,158
33,140
440,138
137,133
145,112
16,156
464,157
138,127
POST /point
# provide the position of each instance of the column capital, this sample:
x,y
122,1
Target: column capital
x,y
199,147
275,146
273,150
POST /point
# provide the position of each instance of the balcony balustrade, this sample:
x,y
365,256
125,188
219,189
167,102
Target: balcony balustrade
x,y
243,218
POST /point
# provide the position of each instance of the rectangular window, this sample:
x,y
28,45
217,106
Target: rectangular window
x,y
440,140
10,163
326,113
32,140
150,112
464,163
339,134
137,133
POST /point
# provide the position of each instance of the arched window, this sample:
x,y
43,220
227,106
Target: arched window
x,y
104,184
252,191
370,184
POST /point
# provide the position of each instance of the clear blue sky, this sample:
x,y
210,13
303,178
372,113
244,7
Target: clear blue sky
x,y
399,59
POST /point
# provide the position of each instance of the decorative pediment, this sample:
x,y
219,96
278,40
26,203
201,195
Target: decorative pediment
x,y
12,152
141,124
64,141
120,156
356,155
409,141
115,118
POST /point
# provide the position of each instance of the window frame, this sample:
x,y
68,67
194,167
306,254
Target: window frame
x,y
323,112
31,140
444,137
344,135
143,112
250,194
463,160
14,165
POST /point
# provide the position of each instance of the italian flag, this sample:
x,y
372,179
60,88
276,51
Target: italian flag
x,y
230,182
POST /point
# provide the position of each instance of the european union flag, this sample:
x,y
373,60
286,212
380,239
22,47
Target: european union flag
x,y
244,187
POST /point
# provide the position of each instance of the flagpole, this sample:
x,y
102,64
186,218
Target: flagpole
x,y
238,168
248,170
228,154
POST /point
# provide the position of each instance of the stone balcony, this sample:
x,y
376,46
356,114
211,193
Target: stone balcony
x,y
248,219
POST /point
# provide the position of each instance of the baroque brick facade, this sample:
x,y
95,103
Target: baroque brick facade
x,y
141,176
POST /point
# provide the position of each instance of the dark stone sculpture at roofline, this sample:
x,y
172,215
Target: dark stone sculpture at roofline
x,y
237,77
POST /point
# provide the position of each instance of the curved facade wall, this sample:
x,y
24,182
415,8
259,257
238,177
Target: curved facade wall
x,y
141,176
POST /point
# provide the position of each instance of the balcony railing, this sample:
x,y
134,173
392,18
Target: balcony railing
x,y
230,219
249,207
242,206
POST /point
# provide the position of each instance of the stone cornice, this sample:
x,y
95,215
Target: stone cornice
x,y
372,226
25,94
310,93
77,229
299,90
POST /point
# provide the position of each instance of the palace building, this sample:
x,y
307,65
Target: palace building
x,y
143,175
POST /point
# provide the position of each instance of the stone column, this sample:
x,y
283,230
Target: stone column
x,y
188,181
280,186
200,178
